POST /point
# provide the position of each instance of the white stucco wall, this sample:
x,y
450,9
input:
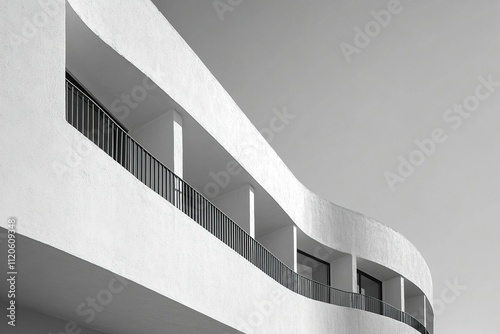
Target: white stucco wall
x,y
150,42
69,194
152,241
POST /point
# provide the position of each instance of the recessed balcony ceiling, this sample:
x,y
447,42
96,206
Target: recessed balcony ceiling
x,y
110,78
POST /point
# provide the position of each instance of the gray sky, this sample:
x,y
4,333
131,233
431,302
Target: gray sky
x,y
354,119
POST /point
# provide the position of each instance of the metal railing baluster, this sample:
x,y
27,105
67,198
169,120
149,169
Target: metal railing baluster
x,y
146,168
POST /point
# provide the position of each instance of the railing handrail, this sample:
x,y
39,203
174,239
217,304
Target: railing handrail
x,y
183,181
241,230
106,112
143,148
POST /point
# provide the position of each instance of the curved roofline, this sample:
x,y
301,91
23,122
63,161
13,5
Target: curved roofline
x,y
150,38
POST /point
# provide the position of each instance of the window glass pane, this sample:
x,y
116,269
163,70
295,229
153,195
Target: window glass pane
x,y
369,286
313,268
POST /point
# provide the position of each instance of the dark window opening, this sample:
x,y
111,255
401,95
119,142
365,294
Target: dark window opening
x,y
313,268
371,287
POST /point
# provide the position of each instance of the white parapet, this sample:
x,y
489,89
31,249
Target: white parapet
x,y
191,85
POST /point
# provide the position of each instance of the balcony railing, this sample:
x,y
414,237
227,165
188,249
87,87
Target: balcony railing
x,y
93,122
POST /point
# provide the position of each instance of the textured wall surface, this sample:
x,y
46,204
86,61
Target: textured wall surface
x,y
67,193
140,33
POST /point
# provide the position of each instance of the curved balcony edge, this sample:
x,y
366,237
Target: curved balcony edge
x,y
323,221
90,120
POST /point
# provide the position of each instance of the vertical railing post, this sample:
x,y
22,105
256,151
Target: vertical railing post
x,y
88,118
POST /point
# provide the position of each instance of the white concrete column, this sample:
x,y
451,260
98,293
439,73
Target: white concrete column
x,y
162,137
393,292
239,205
343,273
283,244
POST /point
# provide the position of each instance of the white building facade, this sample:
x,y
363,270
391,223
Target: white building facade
x,y
146,201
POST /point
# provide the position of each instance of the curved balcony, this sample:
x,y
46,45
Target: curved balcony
x,y
83,113
192,90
